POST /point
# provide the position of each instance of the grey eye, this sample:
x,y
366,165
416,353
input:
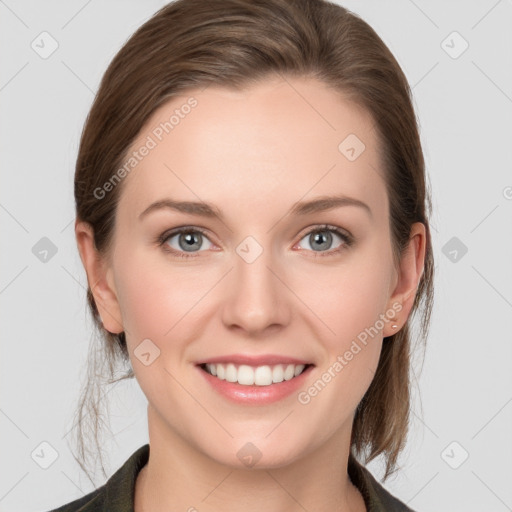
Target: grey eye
x,y
321,240
188,241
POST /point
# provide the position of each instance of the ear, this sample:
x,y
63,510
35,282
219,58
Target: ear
x,y
408,278
99,277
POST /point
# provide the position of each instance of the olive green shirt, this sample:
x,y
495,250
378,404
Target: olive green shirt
x,y
117,494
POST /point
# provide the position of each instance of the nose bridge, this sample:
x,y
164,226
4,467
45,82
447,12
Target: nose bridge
x,y
257,297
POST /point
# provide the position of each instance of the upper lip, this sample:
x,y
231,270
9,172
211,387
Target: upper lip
x,y
261,360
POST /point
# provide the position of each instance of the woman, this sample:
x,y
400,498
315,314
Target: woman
x,y
252,215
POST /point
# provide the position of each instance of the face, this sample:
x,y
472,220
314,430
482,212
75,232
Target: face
x,y
265,279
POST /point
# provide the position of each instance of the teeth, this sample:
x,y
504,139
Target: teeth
x,y
231,373
259,376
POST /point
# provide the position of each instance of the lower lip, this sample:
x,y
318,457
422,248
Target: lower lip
x,y
255,395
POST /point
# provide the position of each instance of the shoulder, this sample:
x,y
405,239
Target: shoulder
x,y
117,494
377,498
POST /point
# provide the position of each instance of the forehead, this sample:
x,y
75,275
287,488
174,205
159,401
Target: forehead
x,y
268,145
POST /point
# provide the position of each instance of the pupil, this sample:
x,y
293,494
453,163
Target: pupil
x,y
322,239
190,241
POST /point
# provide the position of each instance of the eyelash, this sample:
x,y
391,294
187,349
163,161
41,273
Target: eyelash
x,y
162,239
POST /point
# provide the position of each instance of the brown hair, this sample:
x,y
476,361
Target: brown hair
x,y
233,43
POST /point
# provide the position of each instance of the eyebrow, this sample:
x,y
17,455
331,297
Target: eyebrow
x,y
203,209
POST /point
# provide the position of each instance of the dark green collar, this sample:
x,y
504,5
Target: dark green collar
x,y
376,497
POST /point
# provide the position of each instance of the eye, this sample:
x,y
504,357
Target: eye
x,y
186,240
321,238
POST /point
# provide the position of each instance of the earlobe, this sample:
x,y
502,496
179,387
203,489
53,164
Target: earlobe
x,y
98,278
410,272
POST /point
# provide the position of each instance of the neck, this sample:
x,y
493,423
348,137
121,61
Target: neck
x,y
179,477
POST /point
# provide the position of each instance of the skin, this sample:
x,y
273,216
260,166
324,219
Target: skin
x,y
253,153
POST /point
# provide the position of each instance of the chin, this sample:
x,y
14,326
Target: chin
x,y
255,454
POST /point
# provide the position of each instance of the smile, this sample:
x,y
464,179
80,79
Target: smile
x,y
246,375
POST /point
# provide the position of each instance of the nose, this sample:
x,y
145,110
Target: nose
x,y
257,296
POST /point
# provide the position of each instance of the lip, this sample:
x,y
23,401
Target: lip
x,y
261,360
255,395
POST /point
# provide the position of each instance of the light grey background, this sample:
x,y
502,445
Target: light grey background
x,y
465,109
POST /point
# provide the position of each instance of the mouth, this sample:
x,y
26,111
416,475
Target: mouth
x,y
247,375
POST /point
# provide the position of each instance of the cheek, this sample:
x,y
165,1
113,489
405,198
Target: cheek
x,y
155,295
347,304
347,308
345,301
157,303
